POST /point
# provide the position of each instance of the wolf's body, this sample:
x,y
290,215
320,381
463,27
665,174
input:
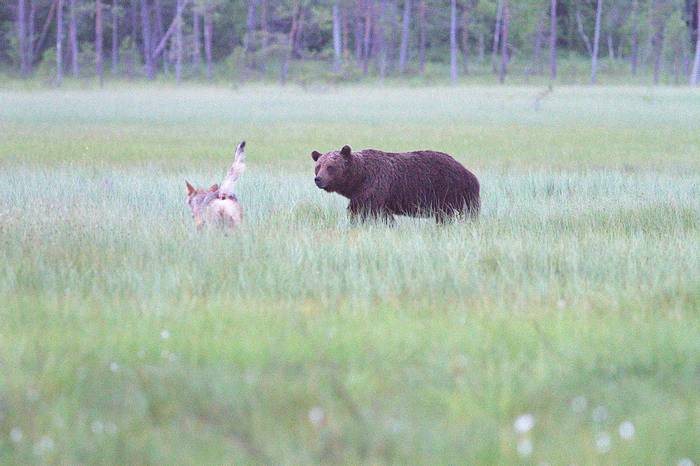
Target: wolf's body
x,y
219,206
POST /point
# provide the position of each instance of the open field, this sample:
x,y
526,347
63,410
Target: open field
x,y
128,337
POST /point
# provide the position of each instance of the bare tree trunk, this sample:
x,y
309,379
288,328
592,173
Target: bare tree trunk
x,y
453,40
381,39
158,35
131,62
178,41
73,37
659,22
147,36
358,33
504,43
172,29
337,45
611,46
265,36
208,37
634,47
696,62
22,37
422,36
290,42
481,47
59,42
115,36
497,30
249,38
30,35
596,42
99,67
465,39
553,41
196,39
367,36
405,30
345,33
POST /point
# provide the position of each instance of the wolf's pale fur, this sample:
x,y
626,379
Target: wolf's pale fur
x,y
219,205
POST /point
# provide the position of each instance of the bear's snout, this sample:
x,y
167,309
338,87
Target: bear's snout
x,y
319,182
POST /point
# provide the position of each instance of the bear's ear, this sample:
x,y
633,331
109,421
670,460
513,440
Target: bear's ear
x,y
346,151
315,155
214,187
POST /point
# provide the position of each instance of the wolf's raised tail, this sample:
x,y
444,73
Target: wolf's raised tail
x,y
236,170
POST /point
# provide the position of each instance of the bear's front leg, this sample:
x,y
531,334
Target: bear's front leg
x,y
361,210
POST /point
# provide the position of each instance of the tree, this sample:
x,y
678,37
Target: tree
x,y
422,36
115,37
99,68
147,36
497,32
24,47
634,46
405,30
658,19
59,42
208,37
596,42
337,45
178,40
504,42
73,36
696,61
196,39
553,41
453,40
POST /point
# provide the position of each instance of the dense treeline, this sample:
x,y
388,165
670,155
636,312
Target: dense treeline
x,y
345,39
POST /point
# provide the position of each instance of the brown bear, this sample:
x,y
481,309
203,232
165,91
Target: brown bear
x,y
383,184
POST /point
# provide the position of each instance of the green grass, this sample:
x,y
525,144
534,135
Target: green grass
x,y
128,337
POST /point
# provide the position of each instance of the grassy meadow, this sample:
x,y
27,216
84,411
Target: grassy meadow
x,y
561,327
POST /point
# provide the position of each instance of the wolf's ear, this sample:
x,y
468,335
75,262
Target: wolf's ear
x,y
214,187
346,151
315,155
190,188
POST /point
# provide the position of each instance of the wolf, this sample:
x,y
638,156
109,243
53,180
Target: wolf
x,y
218,205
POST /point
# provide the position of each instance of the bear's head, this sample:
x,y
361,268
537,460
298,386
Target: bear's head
x,y
333,169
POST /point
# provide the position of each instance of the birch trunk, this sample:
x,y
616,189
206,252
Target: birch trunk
x,y
337,45
178,41
208,37
504,43
496,34
405,31
465,39
596,42
634,47
453,40
22,37
115,37
73,37
147,36
553,41
30,36
422,36
59,42
196,39
99,67
696,62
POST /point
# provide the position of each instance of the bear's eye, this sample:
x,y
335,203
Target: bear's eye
x,y
331,169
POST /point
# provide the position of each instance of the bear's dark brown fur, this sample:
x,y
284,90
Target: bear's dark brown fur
x,y
382,184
